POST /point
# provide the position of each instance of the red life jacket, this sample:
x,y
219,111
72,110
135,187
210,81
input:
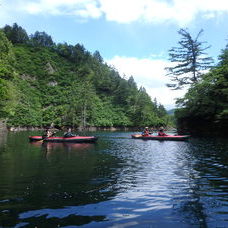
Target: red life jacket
x,y
146,133
161,133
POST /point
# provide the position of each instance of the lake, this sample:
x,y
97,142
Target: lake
x,y
115,182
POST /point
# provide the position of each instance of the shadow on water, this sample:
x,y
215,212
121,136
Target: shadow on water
x,y
116,182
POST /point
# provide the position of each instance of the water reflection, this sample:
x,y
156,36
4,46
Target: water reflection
x,y
118,182
3,138
54,176
205,173
52,150
157,183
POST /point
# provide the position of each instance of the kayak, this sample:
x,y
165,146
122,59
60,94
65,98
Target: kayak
x,y
74,139
167,137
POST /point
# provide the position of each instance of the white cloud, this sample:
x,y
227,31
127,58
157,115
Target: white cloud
x,y
90,10
141,68
149,73
165,96
122,11
80,8
127,11
6,15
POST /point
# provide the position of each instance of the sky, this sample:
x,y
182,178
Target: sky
x,y
133,36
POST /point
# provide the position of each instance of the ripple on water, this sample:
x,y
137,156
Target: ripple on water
x,y
118,182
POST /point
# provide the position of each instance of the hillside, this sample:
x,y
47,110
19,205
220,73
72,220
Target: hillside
x,y
43,83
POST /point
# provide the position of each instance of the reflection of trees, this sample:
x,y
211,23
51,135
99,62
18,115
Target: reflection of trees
x,y
206,173
3,138
54,176
73,174
50,149
191,207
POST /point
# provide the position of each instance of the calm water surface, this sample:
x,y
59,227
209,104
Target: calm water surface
x,y
116,182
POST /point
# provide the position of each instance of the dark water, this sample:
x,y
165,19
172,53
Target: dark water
x,y
117,182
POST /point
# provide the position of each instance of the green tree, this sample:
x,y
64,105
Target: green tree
x,y
7,58
27,111
16,34
8,90
190,58
98,56
161,110
206,101
41,83
9,95
81,99
41,39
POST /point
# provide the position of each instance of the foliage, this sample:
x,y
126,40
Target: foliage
x,y
66,85
7,58
190,59
207,100
16,34
41,39
8,91
98,56
9,98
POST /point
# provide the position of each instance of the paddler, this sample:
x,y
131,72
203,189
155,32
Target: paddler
x,y
146,132
69,133
161,132
48,133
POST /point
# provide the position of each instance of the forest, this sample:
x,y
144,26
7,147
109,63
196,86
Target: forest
x,y
204,108
44,83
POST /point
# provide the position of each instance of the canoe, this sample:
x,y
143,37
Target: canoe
x,y
74,139
156,137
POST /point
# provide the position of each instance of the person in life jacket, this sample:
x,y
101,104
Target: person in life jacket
x,y
145,132
161,132
68,133
48,133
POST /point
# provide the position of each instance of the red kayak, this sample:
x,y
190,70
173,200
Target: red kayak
x,y
74,139
167,137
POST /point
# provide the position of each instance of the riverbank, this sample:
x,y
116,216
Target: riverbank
x,y
3,126
80,129
202,127
14,129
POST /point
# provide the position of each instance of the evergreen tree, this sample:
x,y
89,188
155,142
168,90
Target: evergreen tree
x,y
190,60
161,110
16,34
206,101
41,39
98,56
